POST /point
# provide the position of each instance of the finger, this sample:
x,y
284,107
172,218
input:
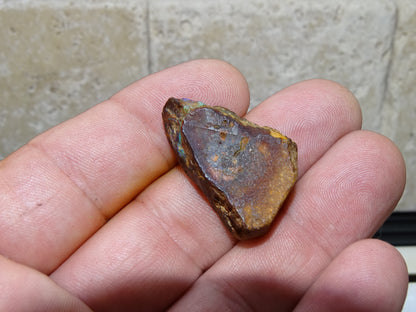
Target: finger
x,y
25,289
64,185
314,114
342,198
169,235
369,275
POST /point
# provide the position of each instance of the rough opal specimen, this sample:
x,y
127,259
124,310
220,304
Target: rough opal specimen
x,y
246,171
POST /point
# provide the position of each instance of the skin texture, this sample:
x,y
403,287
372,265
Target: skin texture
x,y
96,214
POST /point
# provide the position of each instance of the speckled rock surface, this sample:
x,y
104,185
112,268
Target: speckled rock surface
x,y
399,121
277,43
58,58
244,170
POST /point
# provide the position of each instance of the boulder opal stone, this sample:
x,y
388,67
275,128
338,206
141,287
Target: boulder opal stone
x,y
246,171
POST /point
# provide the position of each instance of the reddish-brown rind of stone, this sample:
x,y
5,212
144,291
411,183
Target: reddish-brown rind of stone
x,y
246,171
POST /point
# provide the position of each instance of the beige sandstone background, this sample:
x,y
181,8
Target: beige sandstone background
x,y
60,57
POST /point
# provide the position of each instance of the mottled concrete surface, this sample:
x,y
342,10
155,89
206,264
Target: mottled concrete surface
x,y
60,57
399,111
58,60
277,43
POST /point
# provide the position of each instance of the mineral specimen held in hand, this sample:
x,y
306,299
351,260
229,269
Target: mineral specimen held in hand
x,y
246,171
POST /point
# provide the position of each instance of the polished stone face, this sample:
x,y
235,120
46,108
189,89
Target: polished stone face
x,y
246,171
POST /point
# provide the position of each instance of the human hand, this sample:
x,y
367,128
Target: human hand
x,y
95,214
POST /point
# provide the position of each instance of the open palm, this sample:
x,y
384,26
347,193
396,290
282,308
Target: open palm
x,y
95,214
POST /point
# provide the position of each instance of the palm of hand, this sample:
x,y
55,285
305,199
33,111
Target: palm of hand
x,y
99,216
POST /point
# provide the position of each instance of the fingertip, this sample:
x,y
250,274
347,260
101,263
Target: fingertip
x,y
390,260
313,113
230,82
386,167
391,158
214,82
332,102
369,275
378,273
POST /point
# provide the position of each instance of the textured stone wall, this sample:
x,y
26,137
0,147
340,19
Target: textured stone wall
x,y
60,57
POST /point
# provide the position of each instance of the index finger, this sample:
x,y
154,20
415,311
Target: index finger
x,y
62,186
